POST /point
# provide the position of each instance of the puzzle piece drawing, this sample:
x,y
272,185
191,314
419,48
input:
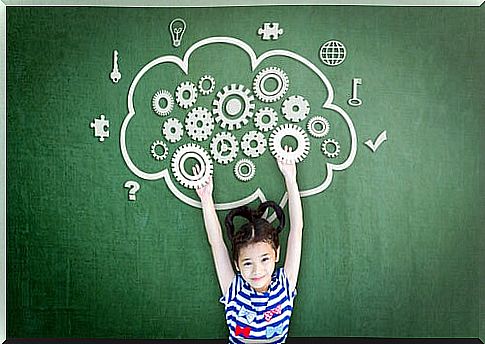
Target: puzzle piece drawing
x,y
101,127
270,31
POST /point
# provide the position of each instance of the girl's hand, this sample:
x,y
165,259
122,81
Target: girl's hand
x,y
205,192
288,169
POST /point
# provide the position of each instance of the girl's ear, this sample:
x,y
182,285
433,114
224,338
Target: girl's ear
x,y
277,254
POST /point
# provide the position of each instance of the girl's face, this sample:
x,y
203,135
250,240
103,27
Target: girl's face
x,y
256,263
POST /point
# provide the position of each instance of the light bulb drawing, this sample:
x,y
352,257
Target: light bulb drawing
x,y
177,28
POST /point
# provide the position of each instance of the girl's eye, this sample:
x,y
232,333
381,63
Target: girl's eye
x,y
265,259
247,264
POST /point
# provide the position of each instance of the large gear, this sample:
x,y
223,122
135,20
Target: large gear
x,y
206,91
295,131
155,154
199,123
248,148
233,106
329,154
318,120
224,147
240,174
182,101
167,96
172,130
259,119
186,178
266,95
295,115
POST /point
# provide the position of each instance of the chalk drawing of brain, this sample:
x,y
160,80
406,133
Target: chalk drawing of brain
x,y
230,112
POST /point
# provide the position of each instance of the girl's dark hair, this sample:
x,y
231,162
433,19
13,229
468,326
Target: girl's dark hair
x,y
256,229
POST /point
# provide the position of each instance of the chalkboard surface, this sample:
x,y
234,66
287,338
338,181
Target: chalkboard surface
x,y
391,243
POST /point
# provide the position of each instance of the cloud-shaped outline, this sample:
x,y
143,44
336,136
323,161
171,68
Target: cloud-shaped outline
x,y
255,61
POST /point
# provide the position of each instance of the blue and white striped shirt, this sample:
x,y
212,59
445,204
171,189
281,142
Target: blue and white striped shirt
x,y
254,317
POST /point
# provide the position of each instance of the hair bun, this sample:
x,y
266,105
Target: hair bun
x,y
280,215
253,215
243,211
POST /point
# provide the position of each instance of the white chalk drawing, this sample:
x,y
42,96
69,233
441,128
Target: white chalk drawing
x,y
270,31
333,53
115,74
177,29
133,188
333,153
380,139
101,127
355,100
232,108
244,170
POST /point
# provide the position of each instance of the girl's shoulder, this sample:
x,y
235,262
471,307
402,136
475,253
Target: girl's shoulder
x,y
235,287
280,275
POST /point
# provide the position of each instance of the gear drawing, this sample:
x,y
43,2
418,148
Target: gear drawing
x,y
206,91
187,178
172,130
224,147
318,121
328,153
155,154
242,175
282,84
183,101
295,115
256,150
233,106
199,123
167,96
265,112
298,154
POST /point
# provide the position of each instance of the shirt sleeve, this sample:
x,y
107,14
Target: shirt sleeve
x,y
286,283
234,288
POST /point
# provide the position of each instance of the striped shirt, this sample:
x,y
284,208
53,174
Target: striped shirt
x,y
254,317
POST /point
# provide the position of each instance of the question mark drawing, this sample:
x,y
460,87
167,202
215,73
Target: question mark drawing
x,y
134,187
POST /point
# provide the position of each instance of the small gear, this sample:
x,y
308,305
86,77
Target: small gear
x,y
329,154
295,131
261,114
206,91
182,101
167,96
266,95
153,150
248,148
187,178
224,147
233,106
199,123
315,121
295,115
244,176
172,130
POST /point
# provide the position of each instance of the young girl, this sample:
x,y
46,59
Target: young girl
x,y
258,299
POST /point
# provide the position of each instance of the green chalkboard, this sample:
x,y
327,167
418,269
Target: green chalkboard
x,y
392,239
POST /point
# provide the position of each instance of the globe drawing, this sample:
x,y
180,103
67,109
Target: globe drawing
x,y
333,53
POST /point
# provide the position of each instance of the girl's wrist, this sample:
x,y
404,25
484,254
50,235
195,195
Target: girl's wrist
x,y
206,200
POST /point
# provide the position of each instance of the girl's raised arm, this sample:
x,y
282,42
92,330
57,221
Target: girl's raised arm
x,y
293,250
225,272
